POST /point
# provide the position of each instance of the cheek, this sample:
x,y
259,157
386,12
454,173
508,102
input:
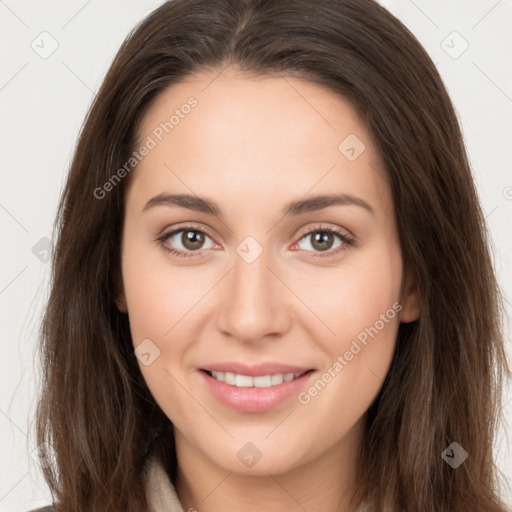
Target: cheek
x,y
159,296
159,300
360,304
352,296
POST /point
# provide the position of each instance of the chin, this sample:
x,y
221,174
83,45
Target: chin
x,y
259,457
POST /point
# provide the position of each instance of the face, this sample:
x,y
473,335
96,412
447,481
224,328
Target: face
x,y
263,314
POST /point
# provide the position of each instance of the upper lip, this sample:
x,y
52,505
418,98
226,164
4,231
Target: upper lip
x,y
255,370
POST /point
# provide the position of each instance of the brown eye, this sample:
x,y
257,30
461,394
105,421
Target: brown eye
x,y
192,239
186,242
322,240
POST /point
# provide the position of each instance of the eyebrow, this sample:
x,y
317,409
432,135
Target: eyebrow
x,y
205,205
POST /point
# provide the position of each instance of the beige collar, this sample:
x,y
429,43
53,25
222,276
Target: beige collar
x,y
162,496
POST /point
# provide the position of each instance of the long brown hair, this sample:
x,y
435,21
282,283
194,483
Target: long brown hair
x,y
444,384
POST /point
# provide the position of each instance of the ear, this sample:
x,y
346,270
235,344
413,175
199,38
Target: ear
x,y
120,301
119,297
410,300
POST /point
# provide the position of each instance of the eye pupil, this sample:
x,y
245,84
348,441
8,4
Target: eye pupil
x,y
319,240
192,239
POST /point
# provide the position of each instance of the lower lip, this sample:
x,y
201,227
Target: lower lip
x,y
254,399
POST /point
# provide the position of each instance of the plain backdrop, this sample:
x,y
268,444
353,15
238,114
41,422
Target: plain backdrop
x,y
53,57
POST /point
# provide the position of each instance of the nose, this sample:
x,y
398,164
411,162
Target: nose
x,y
253,302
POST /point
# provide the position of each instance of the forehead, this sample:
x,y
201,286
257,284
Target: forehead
x,y
262,136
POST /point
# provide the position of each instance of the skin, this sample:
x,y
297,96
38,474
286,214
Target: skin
x,y
252,144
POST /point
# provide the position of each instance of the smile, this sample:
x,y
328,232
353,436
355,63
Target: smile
x,y
261,381
255,393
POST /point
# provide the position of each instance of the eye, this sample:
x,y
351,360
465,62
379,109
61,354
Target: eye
x,y
188,240
325,240
185,241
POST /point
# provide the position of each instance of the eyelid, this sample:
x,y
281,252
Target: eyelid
x,y
348,240
192,226
325,227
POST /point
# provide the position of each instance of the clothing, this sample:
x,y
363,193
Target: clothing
x,y
162,496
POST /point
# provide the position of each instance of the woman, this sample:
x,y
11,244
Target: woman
x,y
271,287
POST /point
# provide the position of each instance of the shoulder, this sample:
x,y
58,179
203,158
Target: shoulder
x,y
48,508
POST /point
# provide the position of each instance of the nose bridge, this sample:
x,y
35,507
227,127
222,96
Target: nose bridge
x,y
251,305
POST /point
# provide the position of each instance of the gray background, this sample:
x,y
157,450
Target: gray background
x,y
44,97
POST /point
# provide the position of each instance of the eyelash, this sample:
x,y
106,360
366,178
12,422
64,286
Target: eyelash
x,y
348,241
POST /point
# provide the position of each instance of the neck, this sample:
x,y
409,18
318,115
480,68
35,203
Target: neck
x,y
324,483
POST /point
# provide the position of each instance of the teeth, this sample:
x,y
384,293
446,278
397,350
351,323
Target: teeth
x,y
246,381
243,381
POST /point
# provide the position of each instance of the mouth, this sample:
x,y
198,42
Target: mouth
x,y
260,381
265,391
